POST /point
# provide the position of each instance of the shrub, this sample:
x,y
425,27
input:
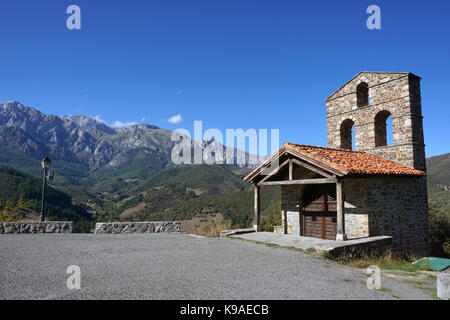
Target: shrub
x,y
13,211
214,227
439,226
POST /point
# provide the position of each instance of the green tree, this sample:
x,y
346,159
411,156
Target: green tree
x,y
13,211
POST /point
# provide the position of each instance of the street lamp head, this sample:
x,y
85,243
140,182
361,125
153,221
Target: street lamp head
x,y
46,162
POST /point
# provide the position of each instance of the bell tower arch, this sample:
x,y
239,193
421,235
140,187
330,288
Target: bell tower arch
x,y
366,101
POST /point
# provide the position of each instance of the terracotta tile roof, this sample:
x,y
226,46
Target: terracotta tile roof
x,y
351,162
341,162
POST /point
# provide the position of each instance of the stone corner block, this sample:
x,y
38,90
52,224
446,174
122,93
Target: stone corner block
x,y
443,286
341,237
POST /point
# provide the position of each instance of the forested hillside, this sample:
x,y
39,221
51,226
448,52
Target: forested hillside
x,y
184,192
59,205
438,175
438,170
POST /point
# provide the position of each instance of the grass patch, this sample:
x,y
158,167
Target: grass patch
x,y
424,288
435,296
405,265
295,249
311,250
213,228
381,289
419,283
406,273
431,276
274,245
384,259
326,255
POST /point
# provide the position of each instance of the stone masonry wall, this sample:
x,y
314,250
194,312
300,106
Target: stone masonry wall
x,y
356,224
396,93
138,227
392,206
290,213
36,227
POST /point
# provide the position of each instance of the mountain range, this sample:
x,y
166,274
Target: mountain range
x,y
86,151
83,140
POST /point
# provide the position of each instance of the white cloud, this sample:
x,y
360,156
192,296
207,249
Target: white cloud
x,y
117,123
97,117
175,119
120,124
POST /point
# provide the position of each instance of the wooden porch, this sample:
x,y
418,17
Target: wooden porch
x,y
289,170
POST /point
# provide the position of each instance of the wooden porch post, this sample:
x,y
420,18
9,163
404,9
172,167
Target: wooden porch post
x,y
256,220
291,170
340,234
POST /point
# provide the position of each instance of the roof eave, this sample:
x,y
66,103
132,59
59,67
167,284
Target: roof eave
x,y
335,171
249,178
283,150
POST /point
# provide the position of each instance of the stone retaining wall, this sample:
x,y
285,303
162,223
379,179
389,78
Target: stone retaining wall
x,y
36,227
138,227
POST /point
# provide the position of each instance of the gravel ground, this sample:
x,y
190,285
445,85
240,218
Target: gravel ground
x,y
176,266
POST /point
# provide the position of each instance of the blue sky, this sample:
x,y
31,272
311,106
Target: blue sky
x,y
230,63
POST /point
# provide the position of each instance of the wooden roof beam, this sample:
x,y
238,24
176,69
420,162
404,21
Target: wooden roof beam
x,y
309,167
275,171
297,182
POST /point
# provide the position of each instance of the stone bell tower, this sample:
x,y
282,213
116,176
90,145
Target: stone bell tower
x,y
365,103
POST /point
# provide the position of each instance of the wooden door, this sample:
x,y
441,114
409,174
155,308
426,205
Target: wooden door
x,y
319,212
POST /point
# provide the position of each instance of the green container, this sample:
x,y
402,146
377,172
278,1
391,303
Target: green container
x,y
435,264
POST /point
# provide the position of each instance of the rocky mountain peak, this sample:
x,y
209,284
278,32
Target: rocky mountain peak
x,y
82,139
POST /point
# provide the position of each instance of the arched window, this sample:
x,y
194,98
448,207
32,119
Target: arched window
x,y
362,95
347,134
383,129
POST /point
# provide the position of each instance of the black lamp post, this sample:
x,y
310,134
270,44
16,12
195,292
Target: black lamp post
x,y
46,162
